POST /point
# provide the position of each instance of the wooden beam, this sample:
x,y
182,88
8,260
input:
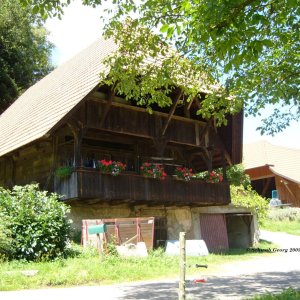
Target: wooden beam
x,y
77,131
204,131
54,162
171,113
197,134
221,145
140,109
108,106
224,165
187,112
160,145
289,190
189,105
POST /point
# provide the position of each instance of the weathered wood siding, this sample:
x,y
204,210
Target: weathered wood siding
x,y
85,184
141,123
259,172
31,164
288,191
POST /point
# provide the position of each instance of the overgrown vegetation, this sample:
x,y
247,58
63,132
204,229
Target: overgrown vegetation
x,y
242,193
283,220
236,176
246,197
84,266
37,222
5,238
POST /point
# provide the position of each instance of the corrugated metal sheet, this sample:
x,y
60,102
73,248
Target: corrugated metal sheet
x,y
214,231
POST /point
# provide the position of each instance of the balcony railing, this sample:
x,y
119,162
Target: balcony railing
x,y
87,183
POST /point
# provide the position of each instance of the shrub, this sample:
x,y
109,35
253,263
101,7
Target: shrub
x,y
5,238
236,176
38,223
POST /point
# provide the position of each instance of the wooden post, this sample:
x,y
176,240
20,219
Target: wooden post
x,y
181,293
99,246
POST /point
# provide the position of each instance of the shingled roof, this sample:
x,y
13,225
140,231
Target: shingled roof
x,y
282,161
44,104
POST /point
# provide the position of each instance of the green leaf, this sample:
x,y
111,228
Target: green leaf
x,y
164,28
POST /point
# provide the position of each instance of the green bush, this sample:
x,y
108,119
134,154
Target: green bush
x,y
38,223
246,197
284,214
5,238
236,176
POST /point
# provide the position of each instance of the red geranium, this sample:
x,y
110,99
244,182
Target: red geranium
x,y
153,170
112,167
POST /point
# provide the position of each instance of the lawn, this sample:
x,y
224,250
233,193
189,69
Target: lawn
x,y
291,227
87,268
288,294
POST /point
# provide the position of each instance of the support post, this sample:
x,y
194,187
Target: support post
x,y
182,257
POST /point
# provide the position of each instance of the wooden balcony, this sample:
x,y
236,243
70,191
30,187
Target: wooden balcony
x,y
92,184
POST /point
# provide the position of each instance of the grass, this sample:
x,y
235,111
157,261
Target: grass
x,y
291,227
86,268
288,294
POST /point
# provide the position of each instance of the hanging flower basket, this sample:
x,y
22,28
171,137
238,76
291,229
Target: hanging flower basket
x,y
63,172
153,170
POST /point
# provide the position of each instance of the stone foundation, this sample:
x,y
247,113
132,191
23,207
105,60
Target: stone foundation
x,y
178,219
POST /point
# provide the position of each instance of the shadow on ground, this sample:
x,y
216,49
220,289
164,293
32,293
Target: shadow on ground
x,y
241,287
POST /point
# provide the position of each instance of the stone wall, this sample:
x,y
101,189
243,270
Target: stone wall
x,y
179,219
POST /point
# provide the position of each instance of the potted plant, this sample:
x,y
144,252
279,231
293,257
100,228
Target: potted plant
x,y
111,167
63,172
183,173
153,170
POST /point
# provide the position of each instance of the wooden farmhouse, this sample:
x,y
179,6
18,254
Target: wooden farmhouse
x,y
69,119
274,168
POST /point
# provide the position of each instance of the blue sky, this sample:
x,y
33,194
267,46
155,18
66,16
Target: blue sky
x,y
81,26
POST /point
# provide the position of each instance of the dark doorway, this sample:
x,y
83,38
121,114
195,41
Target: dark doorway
x,y
160,231
239,230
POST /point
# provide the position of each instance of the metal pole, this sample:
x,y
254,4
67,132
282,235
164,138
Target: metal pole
x,y
181,294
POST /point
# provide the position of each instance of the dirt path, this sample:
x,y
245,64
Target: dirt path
x,y
233,281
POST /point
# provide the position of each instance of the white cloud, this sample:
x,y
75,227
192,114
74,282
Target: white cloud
x,y
80,26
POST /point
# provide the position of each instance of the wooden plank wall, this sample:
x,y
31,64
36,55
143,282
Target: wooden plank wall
x,y
31,164
139,123
288,191
135,188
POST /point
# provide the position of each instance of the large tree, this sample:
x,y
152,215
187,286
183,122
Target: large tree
x,y
24,50
250,46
